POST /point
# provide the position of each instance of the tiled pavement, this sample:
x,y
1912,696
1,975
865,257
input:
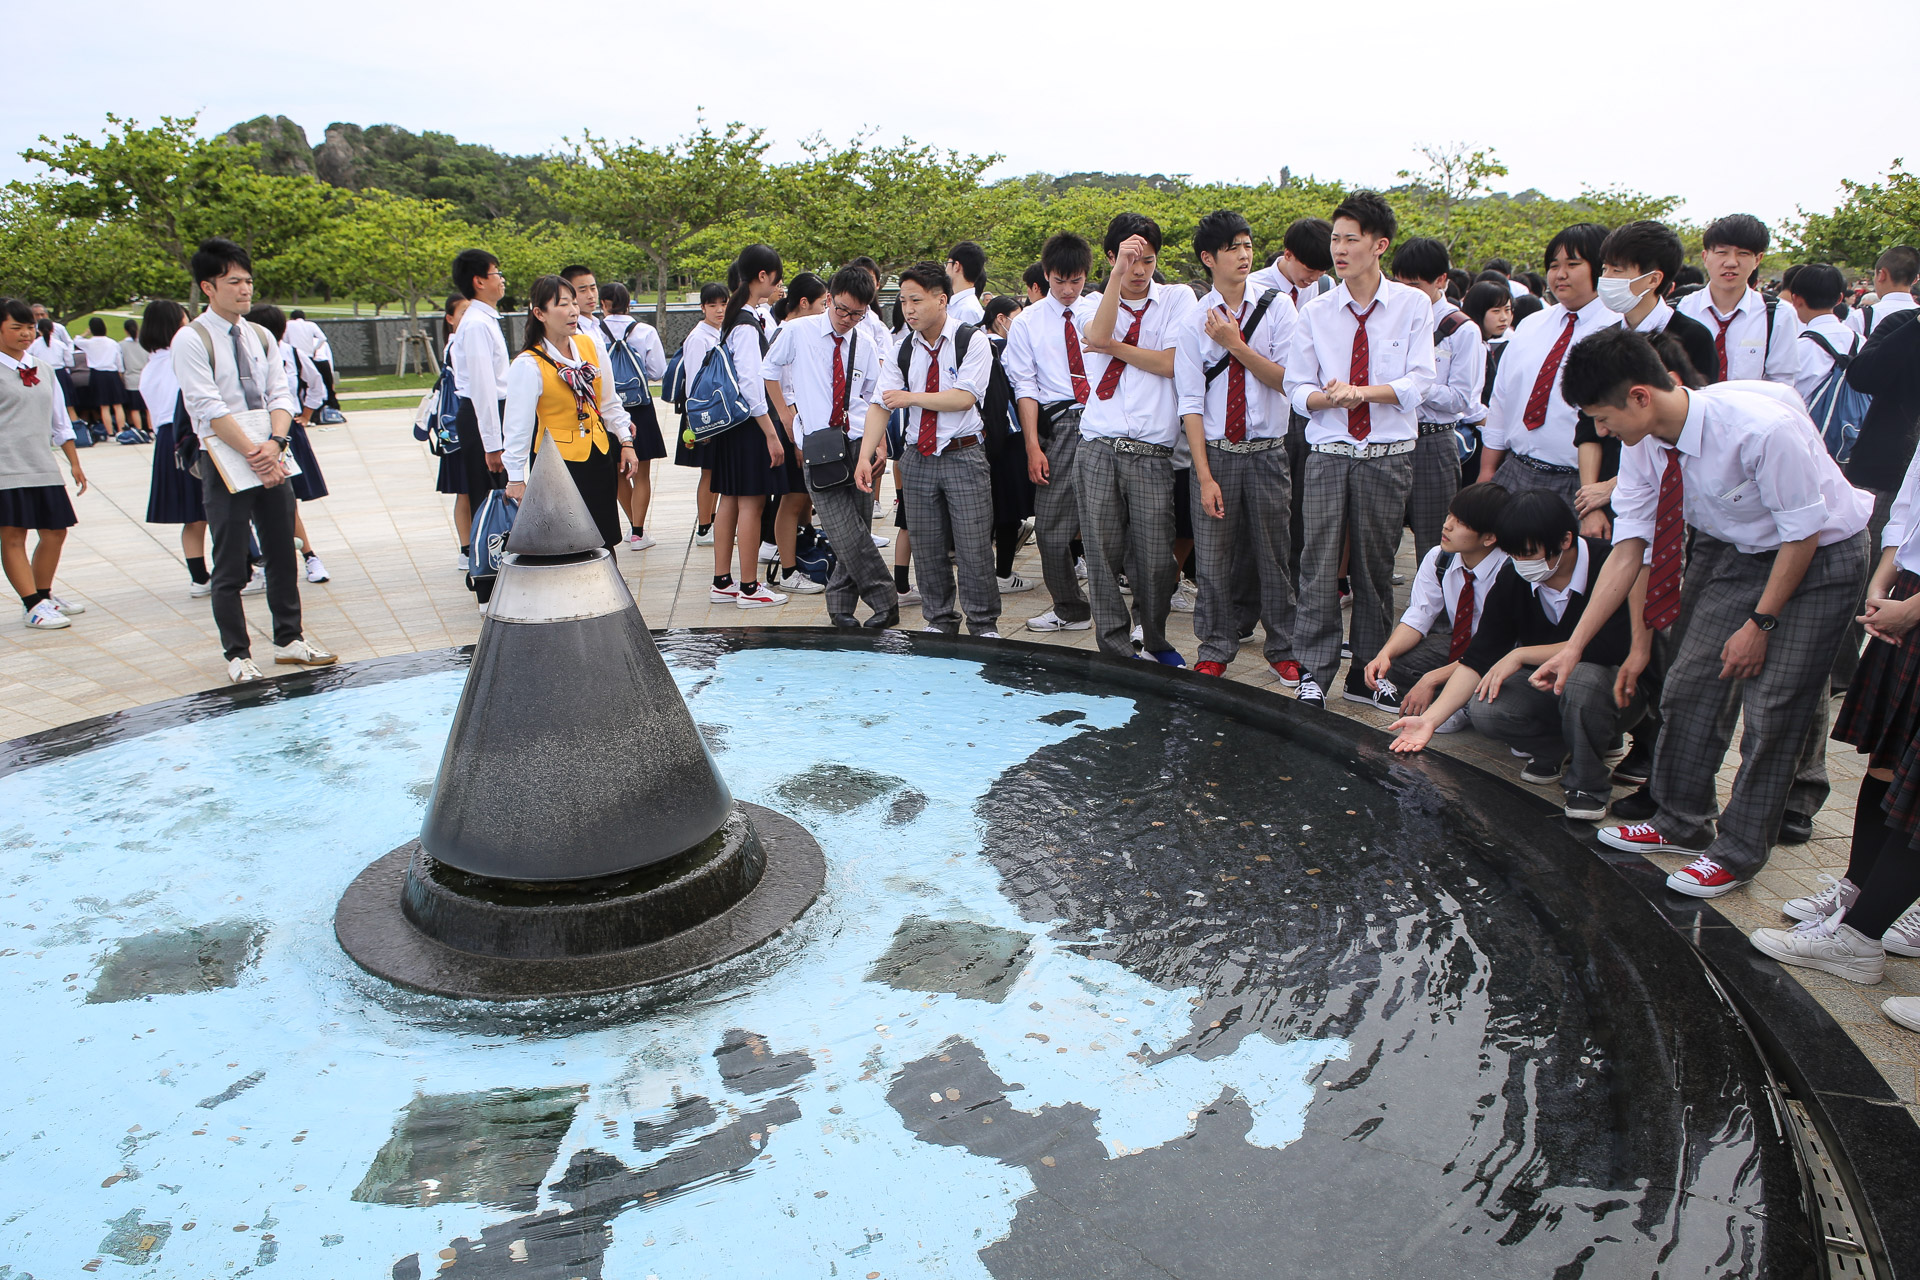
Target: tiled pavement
x,y
388,541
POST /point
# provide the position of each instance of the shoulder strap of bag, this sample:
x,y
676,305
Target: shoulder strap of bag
x,y
1840,362
846,386
1219,366
1449,324
1773,304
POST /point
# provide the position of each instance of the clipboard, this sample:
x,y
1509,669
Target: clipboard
x,y
231,464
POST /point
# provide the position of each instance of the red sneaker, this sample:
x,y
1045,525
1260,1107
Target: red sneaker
x,y
1641,837
1289,673
1703,878
1210,668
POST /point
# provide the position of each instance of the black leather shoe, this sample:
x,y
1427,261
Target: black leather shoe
x,y
878,623
843,620
1638,807
1795,828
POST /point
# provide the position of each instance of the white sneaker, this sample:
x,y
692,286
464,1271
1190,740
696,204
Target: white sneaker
x,y
800,584
44,617
1050,621
199,590
1903,935
910,596
67,607
881,539
703,537
303,653
256,584
1026,533
762,597
1185,596
1837,896
1456,722
640,541
769,552
1080,568
1829,946
1014,584
316,572
728,594
987,635
931,630
463,563
242,671
1904,1010
1139,637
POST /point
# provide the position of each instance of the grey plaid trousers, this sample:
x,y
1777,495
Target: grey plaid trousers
x,y
1517,477
1056,518
1436,478
1256,492
1364,498
846,515
1126,521
950,508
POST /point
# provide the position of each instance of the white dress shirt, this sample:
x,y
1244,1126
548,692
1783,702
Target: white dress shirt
x,y
133,359
1755,474
1749,356
1814,362
1271,277
1527,350
642,339
1036,355
480,370
306,335
1891,304
744,341
1903,522
802,358
61,349
1195,352
874,330
1553,602
61,428
159,388
1430,594
525,385
1517,289
970,377
1460,366
967,307
1399,355
302,377
1144,406
214,391
103,353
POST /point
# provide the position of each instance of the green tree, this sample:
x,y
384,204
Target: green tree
x,y
387,248
74,265
1871,217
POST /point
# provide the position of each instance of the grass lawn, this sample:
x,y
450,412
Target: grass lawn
x,y
388,382
351,407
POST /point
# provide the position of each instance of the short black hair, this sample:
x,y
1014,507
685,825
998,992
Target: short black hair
x,y
932,277
869,266
296,314
1066,254
1689,275
1602,366
999,305
1216,231
1422,258
973,261
16,310
270,318
614,298
1483,297
1737,231
1126,225
1901,263
1818,284
1679,363
1458,282
1535,282
1371,210
1525,305
1583,241
97,327
162,319
1034,277
1310,241
855,281
714,291
1646,246
1501,265
1478,506
1536,520
574,272
214,256
1787,276
468,265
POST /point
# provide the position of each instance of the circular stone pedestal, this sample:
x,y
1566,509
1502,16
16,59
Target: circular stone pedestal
x,y
421,924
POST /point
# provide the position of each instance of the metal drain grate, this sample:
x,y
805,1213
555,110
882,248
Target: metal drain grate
x,y
1846,1255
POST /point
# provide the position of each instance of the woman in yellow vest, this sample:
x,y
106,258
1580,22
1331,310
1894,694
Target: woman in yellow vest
x,y
560,385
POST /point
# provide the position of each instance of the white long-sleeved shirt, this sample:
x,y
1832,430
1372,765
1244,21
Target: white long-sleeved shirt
x,y
967,307
213,391
302,377
102,353
526,384
1750,357
61,427
748,361
1036,355
159,388
1272,277
60,349
701,339
480,370
1430,594
306,335
1195,352
1814,363
1144,406
1399,355
1460,366
641,338
1755,474
1527,350
970,377
1890,304
801,358
1903,522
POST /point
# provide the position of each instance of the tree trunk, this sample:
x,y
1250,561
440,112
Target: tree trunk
x,y
660,296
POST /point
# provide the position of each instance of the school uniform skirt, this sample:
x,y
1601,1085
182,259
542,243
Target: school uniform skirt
x,y
453,473
648,443
173,495
1012,487
108,387
1881,715
43,506
699,456
309,485
792,463
742,467
597,476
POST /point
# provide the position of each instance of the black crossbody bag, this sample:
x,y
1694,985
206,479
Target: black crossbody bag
x,y
828,452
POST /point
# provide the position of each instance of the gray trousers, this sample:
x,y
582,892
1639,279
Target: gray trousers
x,y
1581,722
1126,520
1363,498
1429,655
1255,492
1779,707
1436,478
859,573
950,509
229,517
1056,519
1518,477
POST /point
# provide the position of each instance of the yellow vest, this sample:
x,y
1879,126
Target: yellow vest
x,y
576,428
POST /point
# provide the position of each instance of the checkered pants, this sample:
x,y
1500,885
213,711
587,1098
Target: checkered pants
x,y
1779,708
1436,478
1517,477
1429,655
1363,498
1126,520
1255,491
950,508
846,515
1580,722
1056,519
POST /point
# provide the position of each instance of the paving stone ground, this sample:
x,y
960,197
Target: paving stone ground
x,y
388,541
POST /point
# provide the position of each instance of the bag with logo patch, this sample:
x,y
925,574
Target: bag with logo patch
x,y
491,525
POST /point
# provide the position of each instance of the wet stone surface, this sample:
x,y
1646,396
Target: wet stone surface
x,y
959,957
178,961
131,1240
837,788
490,1148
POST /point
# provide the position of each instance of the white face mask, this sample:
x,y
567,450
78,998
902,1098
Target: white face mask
x,y
1617,294
1535,571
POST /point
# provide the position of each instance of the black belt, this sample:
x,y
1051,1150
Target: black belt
x,y
1546,467
1435,428
958,443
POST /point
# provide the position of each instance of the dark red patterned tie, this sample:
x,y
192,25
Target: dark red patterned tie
x,y
1236,428
839,418
930,420
1663,575
1462,619
1075,365
1720,340
1535,416
1360,417
1111,378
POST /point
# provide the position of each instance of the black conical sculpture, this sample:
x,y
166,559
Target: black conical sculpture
x,y
580,837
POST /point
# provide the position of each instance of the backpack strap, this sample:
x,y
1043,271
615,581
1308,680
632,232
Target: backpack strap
x,y
1866,321
1219,366
846,386
1840,362
1449,324
1441,564
1773,304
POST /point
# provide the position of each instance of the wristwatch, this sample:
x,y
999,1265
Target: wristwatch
x,y
285,442
1764,621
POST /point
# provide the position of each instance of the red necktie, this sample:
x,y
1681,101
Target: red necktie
x,y
839,418
1360,417
1663,575
1295,295
1462,619
1720,341
1111,378
930,420
1535,416
1237,393
1074,364
29,376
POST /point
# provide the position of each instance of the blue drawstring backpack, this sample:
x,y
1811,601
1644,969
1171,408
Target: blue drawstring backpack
x,y
715,401
1836,407
491,525
629,379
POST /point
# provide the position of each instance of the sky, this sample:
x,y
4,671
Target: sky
x,y
1724,115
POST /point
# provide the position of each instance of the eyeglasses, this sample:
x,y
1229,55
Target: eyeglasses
x,y
851,315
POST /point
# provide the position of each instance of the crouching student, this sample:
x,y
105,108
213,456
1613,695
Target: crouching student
x,y
1449,592
1538,600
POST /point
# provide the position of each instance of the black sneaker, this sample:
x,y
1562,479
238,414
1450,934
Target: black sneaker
x,y
1386,697
1310,693
1357,691
1586,806
1795,828
1637,768
1638,807
1539,770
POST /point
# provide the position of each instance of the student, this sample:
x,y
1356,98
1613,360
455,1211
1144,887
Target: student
x,y
310,394
875,330
1893,276
226,366
480,382
1812,292
1752,337
312,339
617,325
560,392
967,274
1035,280
824,376
1300,272
949,494
1546,594
749,460
586,292
1490,306
133,359
1460,366
173,495
702,338
1359,367
1530,431
54,348
1452,582
1123,475
806,296
32,497
1639,262
1006,455
1773,574
105,386
1047,365
451,475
